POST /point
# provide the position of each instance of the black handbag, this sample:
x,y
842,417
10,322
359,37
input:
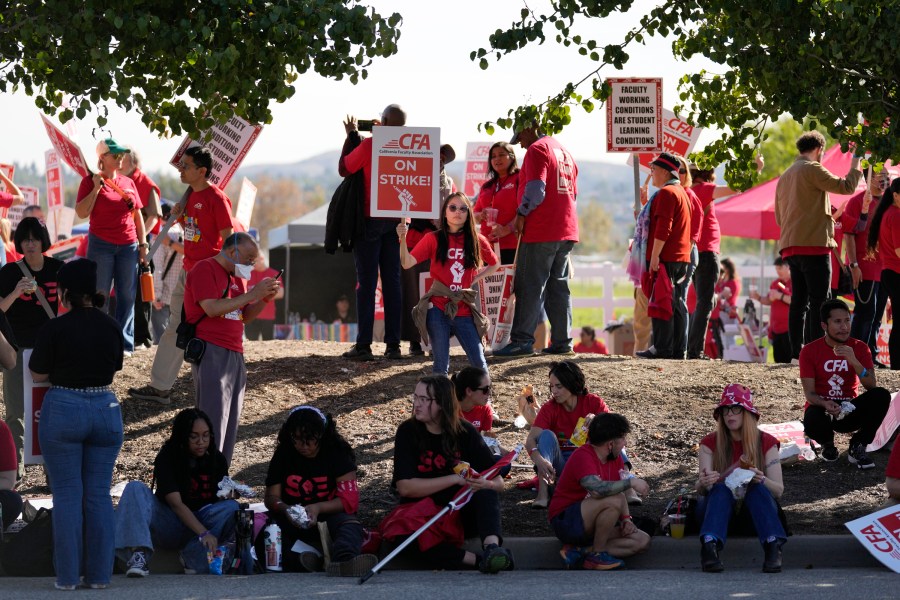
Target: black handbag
x,y
845,278
29,553
187,332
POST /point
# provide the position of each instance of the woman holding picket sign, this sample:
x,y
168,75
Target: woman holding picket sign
x,y
28,297
457,253
111,202
498,200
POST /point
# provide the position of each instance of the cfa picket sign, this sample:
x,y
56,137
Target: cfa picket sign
x,y
68,150
476,169
634,121
34,399
879,533
54,179
679,137
405,171
229,143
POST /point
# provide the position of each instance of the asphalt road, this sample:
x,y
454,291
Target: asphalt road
x,y
418,585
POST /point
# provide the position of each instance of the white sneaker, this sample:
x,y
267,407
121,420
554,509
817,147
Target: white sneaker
x,y
127,354
137,565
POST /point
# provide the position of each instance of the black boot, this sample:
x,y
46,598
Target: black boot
x,y
709,557
772,562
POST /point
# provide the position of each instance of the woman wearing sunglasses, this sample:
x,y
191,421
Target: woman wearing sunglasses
x,y
737,442
315,467
473,390
457,254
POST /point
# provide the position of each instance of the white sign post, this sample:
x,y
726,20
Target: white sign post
x,y
245,203
405,172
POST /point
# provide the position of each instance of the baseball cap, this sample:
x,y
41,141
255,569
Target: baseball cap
x,y
112,146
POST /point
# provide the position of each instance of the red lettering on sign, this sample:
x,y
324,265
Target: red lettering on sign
x,y
874,537
415,141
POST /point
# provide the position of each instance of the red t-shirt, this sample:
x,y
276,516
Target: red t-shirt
x,y
206,214
709,230
805,251
207,280
778,322
144,186
451,273
481,417
6,200
696,215
889,239
735,286
584,462
111,220
670,220
553,417
554,219
893,467
835,378
737,446
870,267
268,312
504,196
598,348
9,460
361,158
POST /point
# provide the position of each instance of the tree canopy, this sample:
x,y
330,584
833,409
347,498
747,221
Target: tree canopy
x,y
183,66
834,61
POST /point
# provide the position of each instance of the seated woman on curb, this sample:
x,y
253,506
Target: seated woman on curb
x,y
589,512
314,466
427,447
737,441
548,442
186,513
473,390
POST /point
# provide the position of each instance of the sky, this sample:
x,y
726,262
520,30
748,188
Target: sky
x,y
431,76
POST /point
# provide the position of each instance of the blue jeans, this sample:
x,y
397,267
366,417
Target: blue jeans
x,y
441,327
80,435
716,508
542,272
548,447
378,251
117,263
145,522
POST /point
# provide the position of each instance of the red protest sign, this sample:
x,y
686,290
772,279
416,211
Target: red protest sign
x,y
405,171
9,171
634,115
228,143
67,149
54,179
476,170
679,137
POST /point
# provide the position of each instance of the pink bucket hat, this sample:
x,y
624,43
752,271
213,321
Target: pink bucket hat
x,y
736,394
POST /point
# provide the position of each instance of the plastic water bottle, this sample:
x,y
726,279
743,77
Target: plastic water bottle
x,y
272,538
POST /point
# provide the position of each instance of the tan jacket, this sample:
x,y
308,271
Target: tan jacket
x,y
802,207
468,296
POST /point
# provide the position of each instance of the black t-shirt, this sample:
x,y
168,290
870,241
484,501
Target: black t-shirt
x,y
82,348
197,484
411,461
307,480
7,331
26,315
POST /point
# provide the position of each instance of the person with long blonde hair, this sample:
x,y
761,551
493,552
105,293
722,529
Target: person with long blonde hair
x,y
736,443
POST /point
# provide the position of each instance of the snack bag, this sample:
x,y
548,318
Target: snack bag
x,y
463,468
580,435
216,559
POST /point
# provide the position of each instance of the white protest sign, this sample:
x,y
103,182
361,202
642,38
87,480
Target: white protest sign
x,y
245,203
60,222
634,115
34,399
888,425
879,533
68,150
229,144
405,172
476,170
679,137
54,179
31,194
792,431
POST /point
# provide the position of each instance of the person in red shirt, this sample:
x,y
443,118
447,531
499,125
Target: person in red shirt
x,y
589,343
10,500
13,196
547,222
669,247
831,369
116,235
549,441
892,476
205,219
865,268
736,443
589,511
263,326
779,298
728,288
216,300
457,253
473,391
501,194
884,236
376,253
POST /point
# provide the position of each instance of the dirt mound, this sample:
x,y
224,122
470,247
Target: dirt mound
x,y
669,404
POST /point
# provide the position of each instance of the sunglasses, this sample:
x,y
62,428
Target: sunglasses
x,y
484,390
457,208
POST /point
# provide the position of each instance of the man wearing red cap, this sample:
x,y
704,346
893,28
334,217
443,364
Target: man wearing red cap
x,y
831,369
669,255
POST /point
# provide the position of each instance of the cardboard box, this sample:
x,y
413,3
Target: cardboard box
x,y
621,340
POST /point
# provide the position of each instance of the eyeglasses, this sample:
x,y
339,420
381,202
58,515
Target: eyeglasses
x,y
734,409
196,438
116,156
421,399
305,440
457,208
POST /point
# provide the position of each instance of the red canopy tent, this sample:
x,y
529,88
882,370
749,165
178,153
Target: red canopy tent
x,y
751,214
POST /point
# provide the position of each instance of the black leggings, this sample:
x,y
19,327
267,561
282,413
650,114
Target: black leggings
x,y
865,420
890,283
482,516
346,537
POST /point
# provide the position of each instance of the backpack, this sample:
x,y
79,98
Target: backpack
x,y
29,553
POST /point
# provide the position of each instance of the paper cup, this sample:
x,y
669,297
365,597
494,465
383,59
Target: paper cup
x,y
676,525
491,215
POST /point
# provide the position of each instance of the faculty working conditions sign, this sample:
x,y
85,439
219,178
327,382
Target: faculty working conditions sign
x,y
405,172
634,115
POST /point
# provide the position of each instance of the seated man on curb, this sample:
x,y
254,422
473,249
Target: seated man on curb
x,y
831,369
589,512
